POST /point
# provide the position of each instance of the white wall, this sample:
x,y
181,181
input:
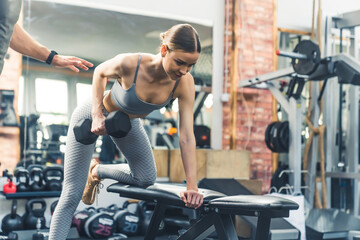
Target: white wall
x,y
199,11
297,14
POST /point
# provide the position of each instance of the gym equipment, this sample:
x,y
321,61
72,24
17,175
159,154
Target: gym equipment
x,y
145,211
12,221
79,219
117,236
215,214
27,234
99,225
279,228
36,177
23,177
38,235
277,137
53,176
53,206
7,116
9,187
10,236
117,125
202,136
127,222
305,58
93,224
161,131
32,215
330,224
111,210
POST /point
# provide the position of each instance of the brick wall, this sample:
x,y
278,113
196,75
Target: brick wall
x,y
254,42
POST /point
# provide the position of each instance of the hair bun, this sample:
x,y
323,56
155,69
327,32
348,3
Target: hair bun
x,y
162,35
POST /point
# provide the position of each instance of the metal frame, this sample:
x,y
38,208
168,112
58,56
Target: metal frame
x,y
293,108
351,154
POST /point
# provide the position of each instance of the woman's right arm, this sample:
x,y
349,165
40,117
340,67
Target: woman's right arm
x,y
112,68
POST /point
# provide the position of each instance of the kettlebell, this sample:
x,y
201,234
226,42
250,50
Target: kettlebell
x,y
53,206
53,176
12,221
38,235
9,187
22,178
36,176
127,222
31,215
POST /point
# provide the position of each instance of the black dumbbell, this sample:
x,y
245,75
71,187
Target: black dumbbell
x,y
10,236
117,125
126,222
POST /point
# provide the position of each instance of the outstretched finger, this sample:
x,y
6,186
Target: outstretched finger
x,y
79,64
86,63
73,68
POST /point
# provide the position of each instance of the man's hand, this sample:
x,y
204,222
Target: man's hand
x,y
192,198
73,63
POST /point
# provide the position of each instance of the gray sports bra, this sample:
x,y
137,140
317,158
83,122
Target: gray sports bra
x,y
128,101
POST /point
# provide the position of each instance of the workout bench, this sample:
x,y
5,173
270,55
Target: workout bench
x,y
215,213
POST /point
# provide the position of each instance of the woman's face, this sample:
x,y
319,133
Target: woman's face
x,y
177,63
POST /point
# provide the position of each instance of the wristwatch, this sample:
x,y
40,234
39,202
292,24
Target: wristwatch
x,y
51,56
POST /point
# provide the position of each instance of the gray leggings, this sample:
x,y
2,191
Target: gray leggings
x,y
140,170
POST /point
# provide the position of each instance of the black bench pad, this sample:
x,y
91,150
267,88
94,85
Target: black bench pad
x,y
253,202
161,192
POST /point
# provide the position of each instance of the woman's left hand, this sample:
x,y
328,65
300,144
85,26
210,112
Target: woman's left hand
x,y
192,198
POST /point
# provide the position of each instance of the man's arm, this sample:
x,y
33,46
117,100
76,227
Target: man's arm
x,y
23,43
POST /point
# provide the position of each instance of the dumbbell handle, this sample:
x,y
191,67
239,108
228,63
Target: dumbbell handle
x,y
291,55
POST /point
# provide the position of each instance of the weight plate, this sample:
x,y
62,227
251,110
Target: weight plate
x,y
309,65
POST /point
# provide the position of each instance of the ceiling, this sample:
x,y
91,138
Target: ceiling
x,y
95,34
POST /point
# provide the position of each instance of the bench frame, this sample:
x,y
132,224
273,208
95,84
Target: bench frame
x,y
211,218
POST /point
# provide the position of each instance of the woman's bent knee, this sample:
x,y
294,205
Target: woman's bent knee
x,y
145,182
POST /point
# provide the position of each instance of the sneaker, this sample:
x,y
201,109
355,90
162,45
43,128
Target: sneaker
x,y
92,187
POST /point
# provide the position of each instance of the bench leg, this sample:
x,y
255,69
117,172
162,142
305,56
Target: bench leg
x,y
263,228
225,227
208,224
155,221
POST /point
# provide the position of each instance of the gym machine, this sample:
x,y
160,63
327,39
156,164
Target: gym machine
x,y
307,65
7,115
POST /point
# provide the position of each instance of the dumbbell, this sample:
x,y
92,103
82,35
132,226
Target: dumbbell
x,y
10,236
117,125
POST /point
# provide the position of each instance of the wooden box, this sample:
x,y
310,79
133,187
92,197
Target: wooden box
x,y
212,164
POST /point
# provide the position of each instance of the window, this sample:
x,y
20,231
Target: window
x,y
51,100
83,92
21,96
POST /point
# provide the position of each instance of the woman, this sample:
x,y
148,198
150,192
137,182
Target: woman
x,y
145,82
